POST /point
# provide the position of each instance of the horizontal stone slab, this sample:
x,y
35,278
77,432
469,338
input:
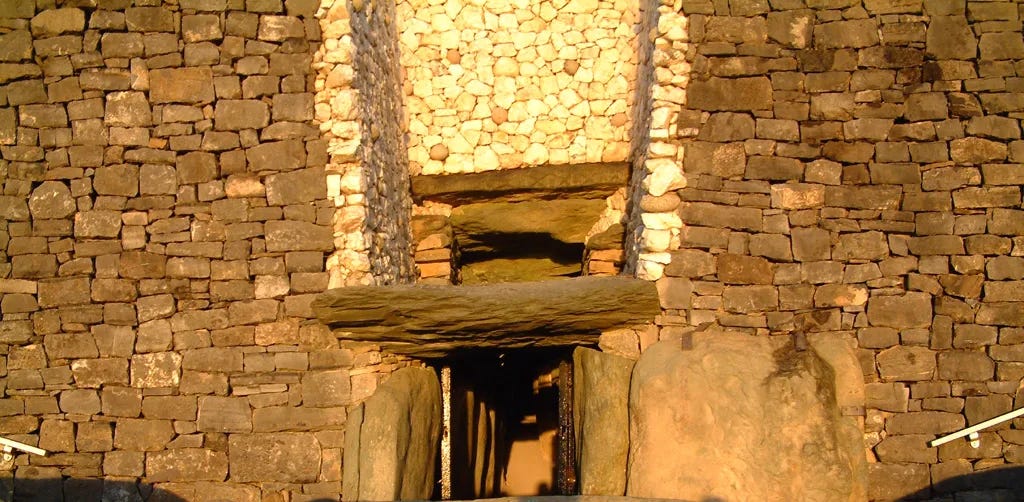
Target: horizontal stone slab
x,y
583,181
432,321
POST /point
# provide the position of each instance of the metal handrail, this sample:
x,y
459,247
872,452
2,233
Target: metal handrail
x,y
7,447
972,431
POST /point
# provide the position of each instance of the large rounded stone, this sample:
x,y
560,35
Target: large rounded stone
x,y
51,200
738,417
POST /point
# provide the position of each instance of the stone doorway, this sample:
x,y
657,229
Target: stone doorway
x,y
508,425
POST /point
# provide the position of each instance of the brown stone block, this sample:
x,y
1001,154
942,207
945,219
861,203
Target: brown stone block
x,y
861,246
94,437
236,114
121,401
891,397
840,295
924,422
57,436
93,373
746,299
739,218
890,57
911,448
965,365
285,418
62,292
752,93
196,167
298,187
199,319
251,312
912,310
81,401
291,457
53,22
739,269
181,85
212,359
142,435
160,369
186,465
774,168
906,363
224,414
863,197
298,236
323,389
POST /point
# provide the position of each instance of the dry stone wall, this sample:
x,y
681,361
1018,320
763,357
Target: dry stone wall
x,y
164,224
512,83
855,168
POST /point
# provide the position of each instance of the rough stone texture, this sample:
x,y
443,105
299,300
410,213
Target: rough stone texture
x,y
559,312
573,88
283,457
391,439
860,149
601,419
698,386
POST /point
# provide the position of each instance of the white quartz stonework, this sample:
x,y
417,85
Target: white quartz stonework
x,y
658,159
338,114
500,84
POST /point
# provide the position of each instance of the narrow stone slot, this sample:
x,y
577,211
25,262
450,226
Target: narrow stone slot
x,y
504,422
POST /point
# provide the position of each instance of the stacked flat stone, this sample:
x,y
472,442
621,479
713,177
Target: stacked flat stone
x,y
163,228
432,235
505,84
854,168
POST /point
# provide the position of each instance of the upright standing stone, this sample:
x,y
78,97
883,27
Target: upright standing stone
x,y
738,417
601,418
392,438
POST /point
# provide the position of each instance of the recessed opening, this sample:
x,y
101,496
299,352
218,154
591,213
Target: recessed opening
x,y
509,425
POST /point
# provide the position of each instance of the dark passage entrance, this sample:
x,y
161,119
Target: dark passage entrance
x,y
509,424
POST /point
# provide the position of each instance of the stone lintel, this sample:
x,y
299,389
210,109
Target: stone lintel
x,y
582,181
432,321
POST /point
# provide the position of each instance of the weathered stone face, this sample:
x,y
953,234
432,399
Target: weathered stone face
x,y
669,460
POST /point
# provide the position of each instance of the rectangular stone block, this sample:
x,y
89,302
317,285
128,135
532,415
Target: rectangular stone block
x,y
181,85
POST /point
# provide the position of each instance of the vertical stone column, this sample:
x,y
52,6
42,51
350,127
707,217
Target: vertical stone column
x,y
360,110
337,113
663,74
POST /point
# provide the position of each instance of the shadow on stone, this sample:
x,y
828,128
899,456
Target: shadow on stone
x,y
53,489
996,484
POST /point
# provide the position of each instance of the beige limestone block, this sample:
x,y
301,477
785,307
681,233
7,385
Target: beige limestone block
x,y
452,8
465,102
595,151
665,175
485,159
422,88
656,241
536,154
574,123
536,108
650,270
617,151
478,88
661,221
581,109
659,149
